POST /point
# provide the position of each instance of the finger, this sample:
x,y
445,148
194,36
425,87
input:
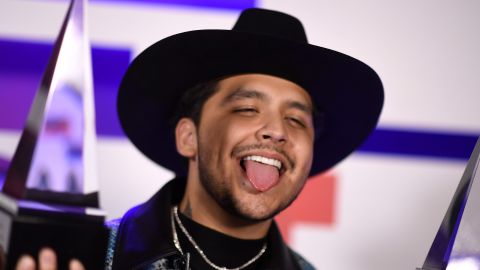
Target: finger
x,y
47,259
25,263
75,265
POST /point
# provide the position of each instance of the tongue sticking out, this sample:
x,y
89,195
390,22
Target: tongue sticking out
x,y
262,176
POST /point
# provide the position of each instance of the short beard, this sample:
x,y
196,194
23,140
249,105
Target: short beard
x,y
224,196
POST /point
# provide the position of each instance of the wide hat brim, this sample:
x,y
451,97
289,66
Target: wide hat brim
x,y
347,91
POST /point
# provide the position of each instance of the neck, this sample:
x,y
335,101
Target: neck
x,y
198,205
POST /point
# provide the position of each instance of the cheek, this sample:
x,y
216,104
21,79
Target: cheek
x,y
231,131
304,150
220,136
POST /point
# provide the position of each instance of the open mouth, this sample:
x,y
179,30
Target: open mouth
x,y
265,160
262,172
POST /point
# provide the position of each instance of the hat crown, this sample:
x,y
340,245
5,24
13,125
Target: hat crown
x,y
272,23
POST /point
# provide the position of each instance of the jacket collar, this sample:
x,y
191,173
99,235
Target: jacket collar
x,y
145,234
145,231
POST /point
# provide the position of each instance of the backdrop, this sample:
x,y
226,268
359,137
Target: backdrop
x,y
380,208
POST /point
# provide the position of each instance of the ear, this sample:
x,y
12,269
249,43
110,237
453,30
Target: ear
x,y
186,138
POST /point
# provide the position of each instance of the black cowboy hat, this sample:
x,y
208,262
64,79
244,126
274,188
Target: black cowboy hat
x,y
347,91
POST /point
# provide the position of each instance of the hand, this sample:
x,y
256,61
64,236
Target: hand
x,y
47,260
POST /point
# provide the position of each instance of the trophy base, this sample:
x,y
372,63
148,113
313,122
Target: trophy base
x,y
73,232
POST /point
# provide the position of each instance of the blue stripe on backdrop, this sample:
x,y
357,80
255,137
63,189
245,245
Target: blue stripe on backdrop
x,y
420,143
21,69
214,4
22,66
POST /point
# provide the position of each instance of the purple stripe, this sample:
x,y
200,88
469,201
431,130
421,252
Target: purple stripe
x,y
21,70
108,69
214,4
420,143
224,4
22,66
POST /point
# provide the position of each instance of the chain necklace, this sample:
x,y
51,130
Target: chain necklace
x,y
200,251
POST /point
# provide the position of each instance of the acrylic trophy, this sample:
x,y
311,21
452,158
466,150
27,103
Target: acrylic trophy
x,y
457,243
49,195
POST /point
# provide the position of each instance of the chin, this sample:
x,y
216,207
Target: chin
x,y
253,210
241,202
253,215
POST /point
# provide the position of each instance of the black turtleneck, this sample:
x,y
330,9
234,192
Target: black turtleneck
x,y
221,249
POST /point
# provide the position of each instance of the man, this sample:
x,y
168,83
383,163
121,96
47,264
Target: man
x,y
243,117
248,109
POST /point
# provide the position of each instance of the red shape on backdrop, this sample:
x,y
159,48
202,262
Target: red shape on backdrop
x,y
315,204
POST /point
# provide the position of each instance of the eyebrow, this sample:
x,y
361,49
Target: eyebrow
x,y
300,106
243,93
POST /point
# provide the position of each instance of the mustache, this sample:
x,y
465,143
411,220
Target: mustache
x,y
238,150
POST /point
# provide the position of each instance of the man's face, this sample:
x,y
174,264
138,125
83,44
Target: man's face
x,y
255,144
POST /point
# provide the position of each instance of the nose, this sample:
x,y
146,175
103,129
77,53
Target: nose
x,y
273,130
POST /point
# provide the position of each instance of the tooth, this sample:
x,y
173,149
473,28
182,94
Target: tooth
x,y
265,160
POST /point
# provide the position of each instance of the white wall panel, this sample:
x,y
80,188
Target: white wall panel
x,y
388,208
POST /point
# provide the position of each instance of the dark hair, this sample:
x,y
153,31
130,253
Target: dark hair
x,y
192,101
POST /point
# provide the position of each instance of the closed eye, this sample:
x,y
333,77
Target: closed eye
x,y
296,122
246,110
